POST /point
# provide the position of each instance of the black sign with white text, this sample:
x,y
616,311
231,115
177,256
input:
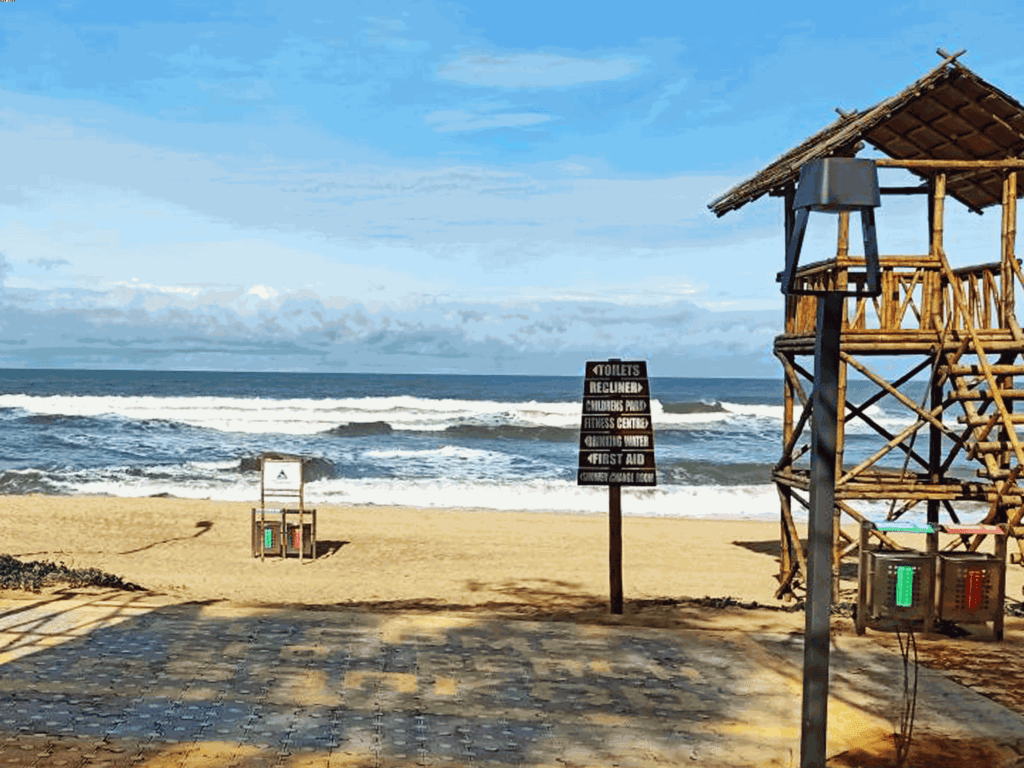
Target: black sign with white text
x,y
616,433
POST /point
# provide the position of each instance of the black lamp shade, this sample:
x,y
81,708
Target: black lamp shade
x,y
834,184
831,185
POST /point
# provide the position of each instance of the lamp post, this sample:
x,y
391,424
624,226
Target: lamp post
x,y
829,185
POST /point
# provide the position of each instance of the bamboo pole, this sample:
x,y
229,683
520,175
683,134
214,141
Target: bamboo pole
x,y
950,165
997,400
787,449
786,564
885,449
1004,267
908,300
860,519
843,235
794,537
842,279
790,368
1009,255
935,433
889,436
897,384
938,213
787,410
837,530
883,384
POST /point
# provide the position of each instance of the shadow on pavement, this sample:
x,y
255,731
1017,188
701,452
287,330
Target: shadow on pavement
x,y
128,679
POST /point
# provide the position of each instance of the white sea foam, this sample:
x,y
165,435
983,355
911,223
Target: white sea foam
x,y
758,502
301,416
310,416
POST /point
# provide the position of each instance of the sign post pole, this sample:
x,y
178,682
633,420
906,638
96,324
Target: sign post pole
x,y
615,547
616,446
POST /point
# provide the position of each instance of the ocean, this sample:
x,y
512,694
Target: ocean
x,y
453,441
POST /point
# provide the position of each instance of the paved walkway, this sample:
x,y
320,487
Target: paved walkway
x,y
127,679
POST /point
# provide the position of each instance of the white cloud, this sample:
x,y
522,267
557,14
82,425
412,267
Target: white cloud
x,y
460,120
533,70
135,325
264,292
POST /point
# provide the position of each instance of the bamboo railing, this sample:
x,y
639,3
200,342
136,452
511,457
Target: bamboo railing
x,y
914,290
962,322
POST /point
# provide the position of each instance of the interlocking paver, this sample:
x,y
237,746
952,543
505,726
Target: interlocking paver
x,y
122,681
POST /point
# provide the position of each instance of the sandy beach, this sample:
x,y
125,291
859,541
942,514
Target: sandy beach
x,y
201,550
475,600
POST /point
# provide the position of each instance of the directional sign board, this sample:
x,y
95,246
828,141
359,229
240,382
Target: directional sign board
x,y
616,434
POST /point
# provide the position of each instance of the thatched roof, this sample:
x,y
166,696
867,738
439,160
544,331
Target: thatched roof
x,y
949,114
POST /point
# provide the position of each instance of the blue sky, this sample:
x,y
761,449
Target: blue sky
x,y
470,187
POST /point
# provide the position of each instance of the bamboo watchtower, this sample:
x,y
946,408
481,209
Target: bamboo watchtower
x,y
964,139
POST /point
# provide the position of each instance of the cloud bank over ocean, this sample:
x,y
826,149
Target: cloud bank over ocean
x,y
427,185
259,329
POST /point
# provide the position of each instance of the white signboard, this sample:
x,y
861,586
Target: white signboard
x,y
282,476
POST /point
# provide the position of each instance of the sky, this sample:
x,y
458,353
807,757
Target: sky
x,y
422,186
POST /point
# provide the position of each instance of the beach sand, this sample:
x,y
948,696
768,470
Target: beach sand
x,y
401,557
486,568
201,550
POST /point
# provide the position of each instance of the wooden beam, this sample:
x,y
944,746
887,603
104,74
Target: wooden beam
x,y
893,443
997,399
794,536
889,388
1009,246
888,436
794,436
790,368
903,190
938,198
843,235
950,165
860,519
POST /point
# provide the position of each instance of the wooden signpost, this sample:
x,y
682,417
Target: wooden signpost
x,y
616,445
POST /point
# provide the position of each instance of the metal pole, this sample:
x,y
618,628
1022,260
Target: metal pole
x,y
819,534
615,547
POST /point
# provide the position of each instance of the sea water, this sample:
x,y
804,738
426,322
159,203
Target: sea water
x,y
453,441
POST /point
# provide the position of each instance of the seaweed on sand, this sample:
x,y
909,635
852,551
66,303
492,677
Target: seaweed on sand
x,y
34,576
